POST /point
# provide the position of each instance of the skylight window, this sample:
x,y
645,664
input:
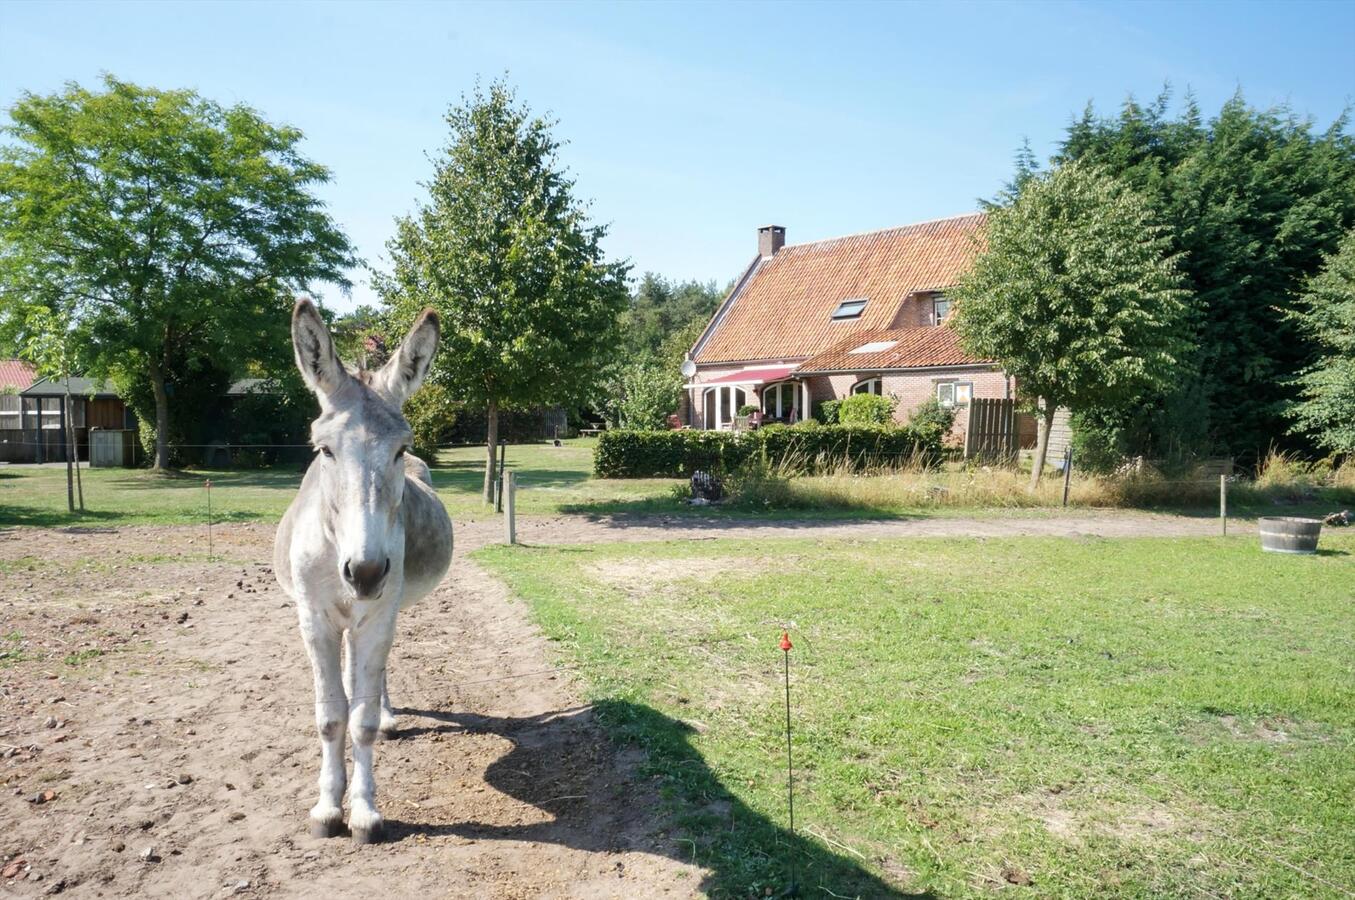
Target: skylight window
x,y
874,347
850,309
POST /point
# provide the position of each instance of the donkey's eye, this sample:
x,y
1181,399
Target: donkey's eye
x,y
327,452
399,454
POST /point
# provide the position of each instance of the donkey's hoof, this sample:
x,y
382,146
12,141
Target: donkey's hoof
x,y
327,829
371,835
389,734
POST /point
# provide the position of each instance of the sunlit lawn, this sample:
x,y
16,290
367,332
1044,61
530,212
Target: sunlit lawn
x,y
1132,717
551,479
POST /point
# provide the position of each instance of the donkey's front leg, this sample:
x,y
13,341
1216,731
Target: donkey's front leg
x,y
370,645
322,641
389,727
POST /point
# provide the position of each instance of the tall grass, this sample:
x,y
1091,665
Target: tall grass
x,y
764,484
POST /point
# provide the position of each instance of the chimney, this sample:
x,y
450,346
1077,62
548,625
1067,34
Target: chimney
x,y
770,238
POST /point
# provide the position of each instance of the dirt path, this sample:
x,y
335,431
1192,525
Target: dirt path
x,y
179,701
498,787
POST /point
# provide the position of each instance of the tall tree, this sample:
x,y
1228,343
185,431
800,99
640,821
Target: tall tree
x,y
169,226
1076,295
1255,199
1325,408
640,385
507,255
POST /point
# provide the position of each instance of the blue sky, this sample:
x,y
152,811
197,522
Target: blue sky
x,y
691,124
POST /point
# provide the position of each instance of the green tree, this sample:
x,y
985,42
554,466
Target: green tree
x,y
663,320
1255,200
1325,408
1076,295
507,255
649,392
165,225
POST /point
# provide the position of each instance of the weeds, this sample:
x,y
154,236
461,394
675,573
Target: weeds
x,y
915,484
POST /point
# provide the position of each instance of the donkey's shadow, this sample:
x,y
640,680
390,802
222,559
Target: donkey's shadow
x,y
563,764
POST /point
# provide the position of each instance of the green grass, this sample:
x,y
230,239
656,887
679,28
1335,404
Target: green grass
x,y
1134,717
551,480
558,481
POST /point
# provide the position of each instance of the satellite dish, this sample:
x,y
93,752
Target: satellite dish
x,y
688,368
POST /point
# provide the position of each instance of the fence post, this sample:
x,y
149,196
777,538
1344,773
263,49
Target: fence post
x,y
1223,503
1067,471
509,495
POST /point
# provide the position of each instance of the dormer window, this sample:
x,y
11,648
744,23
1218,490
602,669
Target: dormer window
x,y
940,308
850,309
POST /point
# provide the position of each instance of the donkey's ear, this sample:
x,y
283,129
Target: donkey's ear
x,y
401,376
314,348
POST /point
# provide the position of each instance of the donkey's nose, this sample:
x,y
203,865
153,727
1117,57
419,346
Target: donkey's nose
x,y
366,577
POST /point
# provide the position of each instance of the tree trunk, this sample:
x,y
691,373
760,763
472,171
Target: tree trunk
x,y
1046,422
161,418
492,444
70,449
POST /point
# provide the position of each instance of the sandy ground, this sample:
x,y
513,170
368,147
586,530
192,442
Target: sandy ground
x,y
156,734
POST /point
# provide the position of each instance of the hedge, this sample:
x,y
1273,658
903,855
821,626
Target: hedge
x,y
677,454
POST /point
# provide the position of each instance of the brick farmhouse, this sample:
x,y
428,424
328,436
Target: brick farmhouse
x,y
865,313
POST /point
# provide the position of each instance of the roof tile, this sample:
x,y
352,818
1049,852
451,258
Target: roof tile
x,y
785,309
909,348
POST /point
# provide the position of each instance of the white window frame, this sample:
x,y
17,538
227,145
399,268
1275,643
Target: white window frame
x,y
956,389
726,405
784,404
871,385
938,299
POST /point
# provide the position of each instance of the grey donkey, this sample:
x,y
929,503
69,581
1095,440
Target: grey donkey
x,y
365,537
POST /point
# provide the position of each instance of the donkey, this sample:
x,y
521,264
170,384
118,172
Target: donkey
x,y
365,537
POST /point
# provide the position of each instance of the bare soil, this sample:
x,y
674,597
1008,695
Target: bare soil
x,y
157,736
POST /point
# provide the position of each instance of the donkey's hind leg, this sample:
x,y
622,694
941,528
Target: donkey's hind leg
x,y
389,728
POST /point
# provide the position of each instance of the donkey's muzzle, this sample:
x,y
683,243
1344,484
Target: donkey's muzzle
x,y
365,578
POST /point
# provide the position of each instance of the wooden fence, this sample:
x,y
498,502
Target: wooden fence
x,y
991,430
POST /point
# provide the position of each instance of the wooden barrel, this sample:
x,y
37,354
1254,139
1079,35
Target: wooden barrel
x,y
1289,534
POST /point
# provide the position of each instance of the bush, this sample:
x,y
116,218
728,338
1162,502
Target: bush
x,y
1098,448
827,411
432,415
932,420
675,454
747,409
866,409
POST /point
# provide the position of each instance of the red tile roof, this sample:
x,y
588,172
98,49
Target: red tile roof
x,y
783,310
16,374
909,348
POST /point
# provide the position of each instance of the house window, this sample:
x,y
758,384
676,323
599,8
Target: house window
x,y
940,308
869,386
954,393
9,412
721,404
850,309
780,401
51,412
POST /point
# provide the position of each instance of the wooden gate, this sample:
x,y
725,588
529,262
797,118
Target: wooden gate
x,y
991,430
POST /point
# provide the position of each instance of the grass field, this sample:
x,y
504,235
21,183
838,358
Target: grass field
x,y
558,480
1136,718
551,479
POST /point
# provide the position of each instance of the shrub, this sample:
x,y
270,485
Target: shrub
x,y
932,420
1098,448
747,409
827,411
866,409
650,392
673,454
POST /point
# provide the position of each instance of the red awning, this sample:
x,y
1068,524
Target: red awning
x,y
753,375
